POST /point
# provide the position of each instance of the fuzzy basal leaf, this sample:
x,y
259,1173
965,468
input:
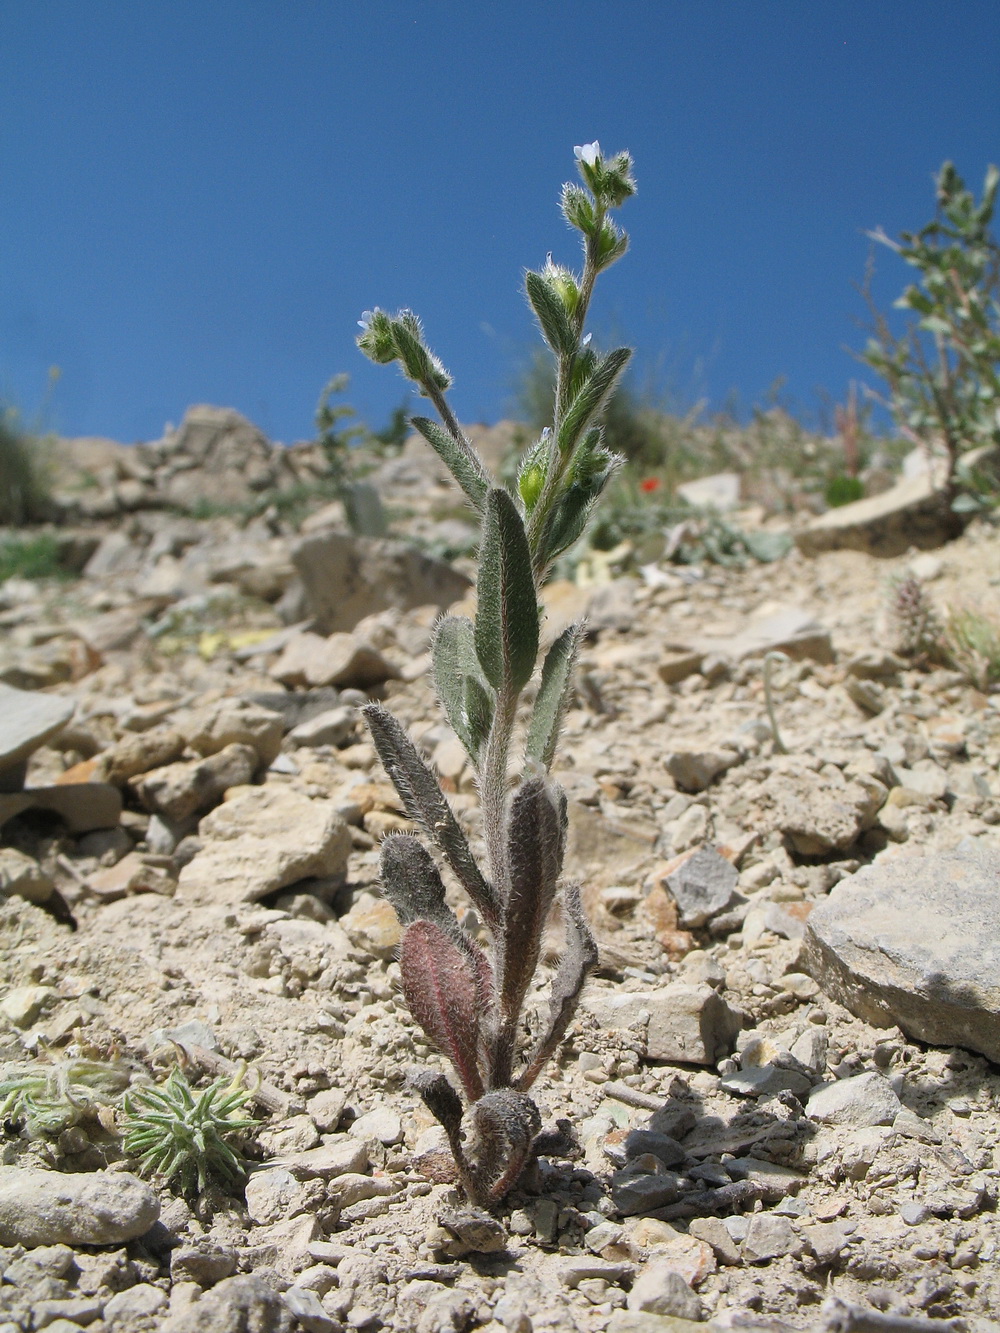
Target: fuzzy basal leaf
x,y
442,992
424,802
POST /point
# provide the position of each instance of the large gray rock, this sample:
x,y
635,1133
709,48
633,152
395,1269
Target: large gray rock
x,y
77,1208
914,512
263,840
27,720
691,1024
179,791
914,942
347,578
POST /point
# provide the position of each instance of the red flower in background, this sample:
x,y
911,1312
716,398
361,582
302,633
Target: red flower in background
x,y
650,484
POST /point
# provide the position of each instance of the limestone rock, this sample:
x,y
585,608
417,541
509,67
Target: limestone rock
x,y
181,790
660,1289
234,722
28,720
23,875
914,512
817,811
347,578
241,1304
864,1100
913,942
694,770
791,631
263,840
691,1024
139,752
339,659
703,886
333,727
83,806
76,1208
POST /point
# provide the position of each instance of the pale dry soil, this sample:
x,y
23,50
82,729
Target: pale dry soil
x,y
303,987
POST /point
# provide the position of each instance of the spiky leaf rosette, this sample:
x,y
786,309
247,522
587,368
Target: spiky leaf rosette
x,y
183,1135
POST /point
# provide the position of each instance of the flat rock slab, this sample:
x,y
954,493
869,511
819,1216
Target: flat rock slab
x,y
28,720
914,512
77,1208
84,806
914,942
791,631
261,840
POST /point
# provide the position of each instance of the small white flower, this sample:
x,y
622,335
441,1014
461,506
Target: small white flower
x,y
586,340
365,322
588,153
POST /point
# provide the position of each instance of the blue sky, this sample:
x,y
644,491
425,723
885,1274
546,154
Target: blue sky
x,y
200,199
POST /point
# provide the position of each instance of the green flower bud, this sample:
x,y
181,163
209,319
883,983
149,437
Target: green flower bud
x,y
577,208
529,485
563,283
376,340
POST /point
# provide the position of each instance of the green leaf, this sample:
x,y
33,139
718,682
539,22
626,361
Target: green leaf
x,y
464,696
553,695
462,462
480,705
506,631
412,352
551,312
767,546
592,397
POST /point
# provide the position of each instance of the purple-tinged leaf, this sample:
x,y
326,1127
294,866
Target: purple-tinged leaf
x,y
506,1123
442,989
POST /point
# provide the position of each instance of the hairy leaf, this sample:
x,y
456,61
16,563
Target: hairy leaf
x,y
424,802
592,396
552,314
461,459
442,991
579,958
412,882
438,1096
506,1124
553,695
506,630
460,688
535,851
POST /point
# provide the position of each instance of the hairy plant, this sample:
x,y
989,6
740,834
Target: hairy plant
x,y
943,371
913,621
971,641
469,997
185,1135
46,1097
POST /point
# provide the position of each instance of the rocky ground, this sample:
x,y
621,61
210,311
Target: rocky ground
x,y
783,1078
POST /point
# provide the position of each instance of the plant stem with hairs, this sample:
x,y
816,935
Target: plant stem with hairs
x,y
469,996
